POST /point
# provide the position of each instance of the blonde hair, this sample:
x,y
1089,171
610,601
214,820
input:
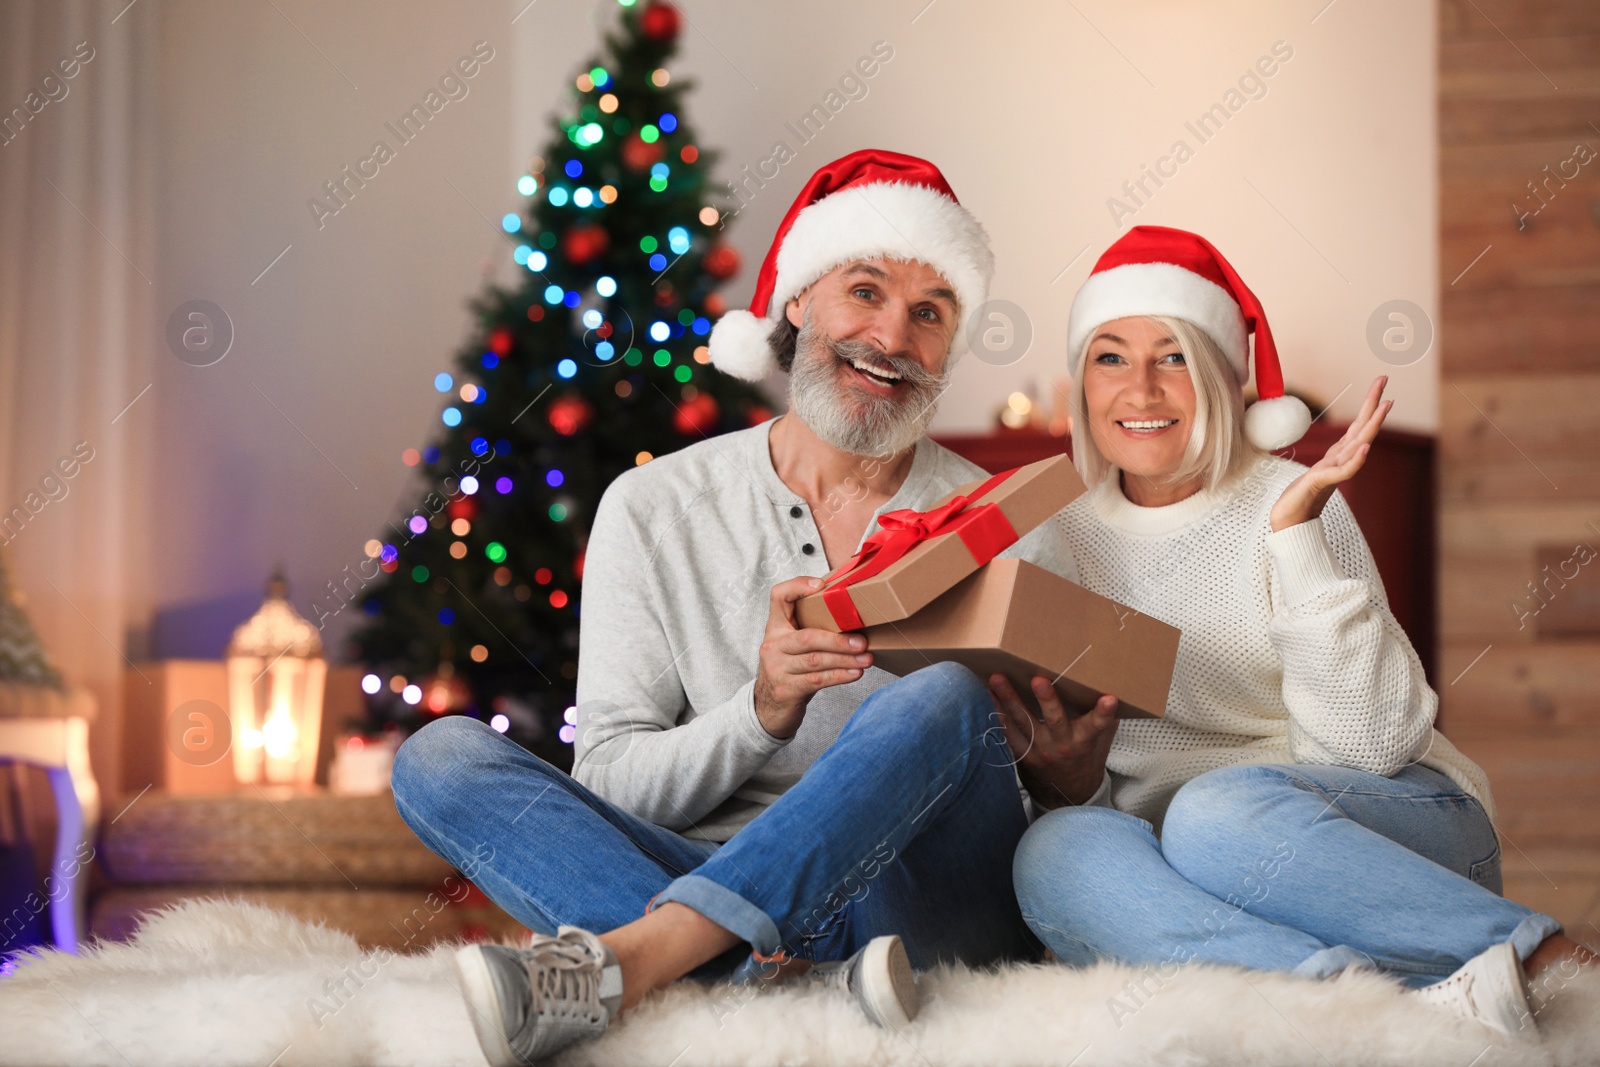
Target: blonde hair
x,y
1217,447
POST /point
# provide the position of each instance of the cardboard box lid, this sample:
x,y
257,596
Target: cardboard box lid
x,y
1016,619
1025,497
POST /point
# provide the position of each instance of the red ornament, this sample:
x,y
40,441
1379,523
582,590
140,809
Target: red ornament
x,y
500,340
638,156
462,507
445,691
715,305
584,242
721,261
661,21
696,416
569,414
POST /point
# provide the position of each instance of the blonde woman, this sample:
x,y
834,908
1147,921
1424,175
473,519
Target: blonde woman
x,y
1294,810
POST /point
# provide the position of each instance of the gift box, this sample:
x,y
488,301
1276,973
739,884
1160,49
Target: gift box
x,y
918,555
1019,620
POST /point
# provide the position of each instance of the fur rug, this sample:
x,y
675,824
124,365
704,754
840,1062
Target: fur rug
x,y
215,983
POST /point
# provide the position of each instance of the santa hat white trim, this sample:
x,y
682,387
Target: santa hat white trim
x,y
1161,289
879,220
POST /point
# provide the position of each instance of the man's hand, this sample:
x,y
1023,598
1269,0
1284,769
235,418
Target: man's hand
x,y
796,663
1061,759
1304,498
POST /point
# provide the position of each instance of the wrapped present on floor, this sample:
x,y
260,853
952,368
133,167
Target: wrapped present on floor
x,y
924,590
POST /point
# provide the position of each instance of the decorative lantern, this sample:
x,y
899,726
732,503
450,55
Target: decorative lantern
x,y
275,683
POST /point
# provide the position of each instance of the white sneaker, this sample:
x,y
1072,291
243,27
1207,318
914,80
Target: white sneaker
x,y
880,979
1489,988
535,1001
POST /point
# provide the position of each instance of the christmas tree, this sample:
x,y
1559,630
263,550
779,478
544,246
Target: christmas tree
x,y
594,363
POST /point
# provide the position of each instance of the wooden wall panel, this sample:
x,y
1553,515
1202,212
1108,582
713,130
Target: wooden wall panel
x,y
1519,349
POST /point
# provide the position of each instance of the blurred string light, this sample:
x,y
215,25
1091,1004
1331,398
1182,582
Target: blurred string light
x,y
558,196
592,318
537,261
582,197
443,382
527,185
606,285
511,223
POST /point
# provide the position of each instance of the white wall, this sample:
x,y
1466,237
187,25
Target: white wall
x,y
1038,114
1035,111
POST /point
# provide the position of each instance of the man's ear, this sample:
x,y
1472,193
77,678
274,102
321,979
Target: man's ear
x,y
794,310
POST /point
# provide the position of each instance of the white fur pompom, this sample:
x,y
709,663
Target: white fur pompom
x,y
739,346
1276,423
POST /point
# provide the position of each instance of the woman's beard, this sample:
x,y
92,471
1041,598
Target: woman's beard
x,y
852,419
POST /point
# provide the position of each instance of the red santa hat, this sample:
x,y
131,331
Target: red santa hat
x,y
1155,270
871,204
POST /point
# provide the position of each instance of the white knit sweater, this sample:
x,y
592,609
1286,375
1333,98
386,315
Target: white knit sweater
x,y
1289,651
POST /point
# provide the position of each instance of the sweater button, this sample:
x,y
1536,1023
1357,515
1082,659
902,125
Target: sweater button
x,y
794,511
808,548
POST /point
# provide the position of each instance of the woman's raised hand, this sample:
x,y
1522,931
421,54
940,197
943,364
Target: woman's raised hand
x,y
1304,498
1061,758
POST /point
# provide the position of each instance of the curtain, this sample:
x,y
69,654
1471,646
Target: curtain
x,y
78,334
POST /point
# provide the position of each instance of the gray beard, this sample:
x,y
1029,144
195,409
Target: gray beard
x,y
853,420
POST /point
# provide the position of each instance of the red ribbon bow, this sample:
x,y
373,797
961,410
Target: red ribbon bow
x,y
984,529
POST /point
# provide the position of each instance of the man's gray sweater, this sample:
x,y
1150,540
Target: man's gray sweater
x,y
681,560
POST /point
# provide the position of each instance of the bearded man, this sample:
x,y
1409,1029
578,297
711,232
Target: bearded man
x,y
749,798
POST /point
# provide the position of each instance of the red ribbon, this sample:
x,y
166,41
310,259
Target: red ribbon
x,y
983,528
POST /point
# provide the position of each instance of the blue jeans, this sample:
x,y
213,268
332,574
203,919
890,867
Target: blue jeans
x,y
1307,869
907,824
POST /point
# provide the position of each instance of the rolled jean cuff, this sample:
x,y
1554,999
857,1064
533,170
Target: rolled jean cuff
x,y
725,908
1531,933
1327,962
